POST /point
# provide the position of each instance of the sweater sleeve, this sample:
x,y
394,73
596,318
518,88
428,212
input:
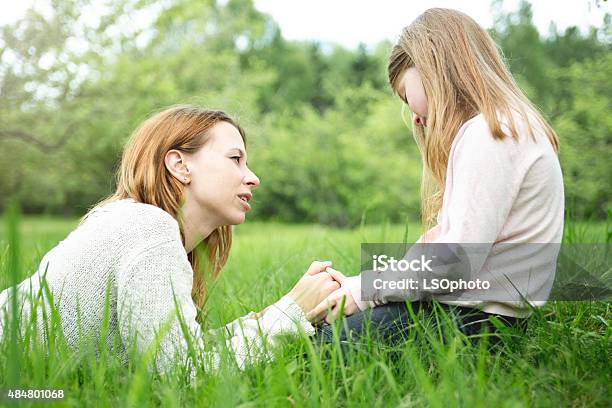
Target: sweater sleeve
x,y
483,180
155,308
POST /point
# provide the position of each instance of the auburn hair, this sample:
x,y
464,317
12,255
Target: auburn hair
x,y
143,177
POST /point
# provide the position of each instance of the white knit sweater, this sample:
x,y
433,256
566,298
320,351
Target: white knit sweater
x,y
134,251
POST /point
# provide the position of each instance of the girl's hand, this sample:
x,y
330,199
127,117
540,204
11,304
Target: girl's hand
x,y
330,306
314,286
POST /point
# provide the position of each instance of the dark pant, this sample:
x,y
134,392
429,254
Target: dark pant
x,y
392,323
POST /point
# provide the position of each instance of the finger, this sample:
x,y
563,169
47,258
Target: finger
x,y
318,266
329,289
315,318
337,275
332,316
323,277
332,286
321,308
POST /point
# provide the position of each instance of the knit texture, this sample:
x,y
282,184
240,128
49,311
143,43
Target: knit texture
x,y
134,252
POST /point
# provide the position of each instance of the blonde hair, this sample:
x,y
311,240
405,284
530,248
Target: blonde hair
x,y
463,74
143,177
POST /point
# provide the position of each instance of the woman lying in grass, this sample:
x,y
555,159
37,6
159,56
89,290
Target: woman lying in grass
x,y
147,249
491,175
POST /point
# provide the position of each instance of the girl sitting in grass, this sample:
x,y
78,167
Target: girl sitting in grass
x,y
146,250
491,177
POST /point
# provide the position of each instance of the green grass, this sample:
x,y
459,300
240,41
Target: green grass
x,y
563,360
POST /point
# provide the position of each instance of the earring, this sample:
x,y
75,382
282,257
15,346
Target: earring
x,y
186,180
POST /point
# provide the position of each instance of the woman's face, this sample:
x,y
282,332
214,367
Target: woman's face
x,y
220,181
411,87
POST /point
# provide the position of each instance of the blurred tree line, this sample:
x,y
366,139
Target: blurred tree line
x,y
325,133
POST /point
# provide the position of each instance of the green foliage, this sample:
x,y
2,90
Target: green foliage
x,y
567,76
332,170
585,125
324,130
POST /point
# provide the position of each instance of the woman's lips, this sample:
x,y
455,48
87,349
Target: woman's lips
x,y
244,200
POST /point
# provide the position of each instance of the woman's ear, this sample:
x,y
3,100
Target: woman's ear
x,y
177,166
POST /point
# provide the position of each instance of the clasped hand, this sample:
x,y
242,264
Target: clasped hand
x,y
320,293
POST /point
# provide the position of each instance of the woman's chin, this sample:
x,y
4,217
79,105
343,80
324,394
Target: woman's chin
x,y
237,218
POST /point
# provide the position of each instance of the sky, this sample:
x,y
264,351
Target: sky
x,y
349,22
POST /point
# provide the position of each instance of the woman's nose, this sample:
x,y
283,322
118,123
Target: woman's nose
x,y
251,179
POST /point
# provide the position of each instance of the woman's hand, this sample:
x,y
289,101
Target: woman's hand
x,y
330,306
314,286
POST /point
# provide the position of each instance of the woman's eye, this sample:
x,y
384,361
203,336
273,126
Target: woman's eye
x,y
237,158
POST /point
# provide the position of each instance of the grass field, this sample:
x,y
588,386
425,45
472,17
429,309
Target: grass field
x,y
564,359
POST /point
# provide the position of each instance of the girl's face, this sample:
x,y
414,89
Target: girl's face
x,y
411,87
220,181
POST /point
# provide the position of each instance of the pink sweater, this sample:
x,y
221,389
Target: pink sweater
x,y
499,192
